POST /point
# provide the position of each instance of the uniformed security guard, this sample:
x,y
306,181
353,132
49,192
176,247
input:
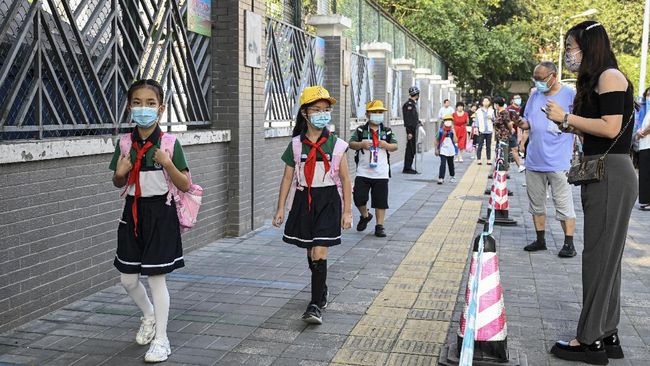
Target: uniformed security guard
x,y
411,123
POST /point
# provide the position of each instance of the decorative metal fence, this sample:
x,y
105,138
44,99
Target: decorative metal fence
x,y
361,68
396,93
66,65
295,60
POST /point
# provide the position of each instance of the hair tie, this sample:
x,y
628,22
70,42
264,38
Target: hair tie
x,y
593,25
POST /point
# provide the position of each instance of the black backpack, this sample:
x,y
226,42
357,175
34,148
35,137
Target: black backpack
x,y
359,133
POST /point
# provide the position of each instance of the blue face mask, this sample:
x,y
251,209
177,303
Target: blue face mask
x,y
376,118
144,116
320,119
541,86
647,103
517,101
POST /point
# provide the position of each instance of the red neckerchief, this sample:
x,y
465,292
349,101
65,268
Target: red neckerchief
x,y
375,138
310,163
445,132
134,177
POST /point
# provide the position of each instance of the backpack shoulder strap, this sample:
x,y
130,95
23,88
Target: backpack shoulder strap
x,y
167,143
125,144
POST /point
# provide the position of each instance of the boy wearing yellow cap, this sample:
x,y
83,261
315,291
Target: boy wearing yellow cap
x,y
373,142
317,185
446,147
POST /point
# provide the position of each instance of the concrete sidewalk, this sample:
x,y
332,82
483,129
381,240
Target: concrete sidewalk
x,y
239,300
394,300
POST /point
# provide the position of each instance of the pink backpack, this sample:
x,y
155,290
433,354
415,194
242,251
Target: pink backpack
x,y
187,203
338,154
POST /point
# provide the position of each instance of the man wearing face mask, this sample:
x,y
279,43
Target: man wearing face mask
x,y
548,158
373,142
411,123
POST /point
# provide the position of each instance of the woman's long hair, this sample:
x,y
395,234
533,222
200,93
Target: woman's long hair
x,y
597,56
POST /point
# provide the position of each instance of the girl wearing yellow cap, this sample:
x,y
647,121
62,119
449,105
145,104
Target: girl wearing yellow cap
x,y
317,184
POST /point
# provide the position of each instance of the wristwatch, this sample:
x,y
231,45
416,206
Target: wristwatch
x,y
565,121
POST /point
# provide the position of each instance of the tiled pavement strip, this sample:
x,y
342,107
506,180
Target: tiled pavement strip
x,y
239,300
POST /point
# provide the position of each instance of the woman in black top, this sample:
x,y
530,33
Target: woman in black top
x,y
603,109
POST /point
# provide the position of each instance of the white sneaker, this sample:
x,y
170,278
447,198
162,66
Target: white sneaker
x,y
452,179
159,351
522,168
146,332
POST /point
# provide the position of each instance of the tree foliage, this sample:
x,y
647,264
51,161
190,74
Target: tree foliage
x,y
489,42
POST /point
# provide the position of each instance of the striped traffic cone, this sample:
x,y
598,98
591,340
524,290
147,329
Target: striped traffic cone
x,y
501,204
491,329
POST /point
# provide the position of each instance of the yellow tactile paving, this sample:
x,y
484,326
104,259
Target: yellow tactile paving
x,y
408,321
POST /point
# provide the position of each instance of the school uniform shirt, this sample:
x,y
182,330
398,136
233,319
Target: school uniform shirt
x,y
381,171
321,179
152,178
447,148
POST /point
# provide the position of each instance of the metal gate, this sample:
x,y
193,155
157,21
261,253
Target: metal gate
x,y
65,65
295,60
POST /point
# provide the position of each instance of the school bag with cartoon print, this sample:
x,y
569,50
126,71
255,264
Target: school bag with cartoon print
x,y
335,165
187,203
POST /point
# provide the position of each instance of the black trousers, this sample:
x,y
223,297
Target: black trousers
x,y
487,139
409,155
449,160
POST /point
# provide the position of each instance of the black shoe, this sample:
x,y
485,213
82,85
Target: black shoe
x,y
363,222
379,231
409,171
567,251
535,246
613,346
323,303
312,315
593,354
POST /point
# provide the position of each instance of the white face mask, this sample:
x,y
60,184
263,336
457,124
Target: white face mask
x,y
447,123
376,118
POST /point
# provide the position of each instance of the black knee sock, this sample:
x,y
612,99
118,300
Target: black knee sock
x,y
568,240
318,279
310,263
540,236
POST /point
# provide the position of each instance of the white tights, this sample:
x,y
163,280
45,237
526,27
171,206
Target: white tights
x,y
160,308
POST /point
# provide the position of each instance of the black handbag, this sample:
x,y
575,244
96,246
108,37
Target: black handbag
x,y
592,171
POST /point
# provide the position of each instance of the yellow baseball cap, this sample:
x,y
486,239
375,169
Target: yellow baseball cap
x,y
448,117
313,93
375,106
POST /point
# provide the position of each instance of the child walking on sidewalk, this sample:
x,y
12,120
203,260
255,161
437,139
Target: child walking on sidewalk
x,y
446,148
316,175
149,237
375,142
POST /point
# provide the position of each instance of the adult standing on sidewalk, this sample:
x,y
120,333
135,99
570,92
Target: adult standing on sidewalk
x,y
548,158
445,110
375,142
411,123
461,121
484,122
642,138
604,108
505,130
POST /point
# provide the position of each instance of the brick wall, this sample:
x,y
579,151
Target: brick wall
x,y
58,228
